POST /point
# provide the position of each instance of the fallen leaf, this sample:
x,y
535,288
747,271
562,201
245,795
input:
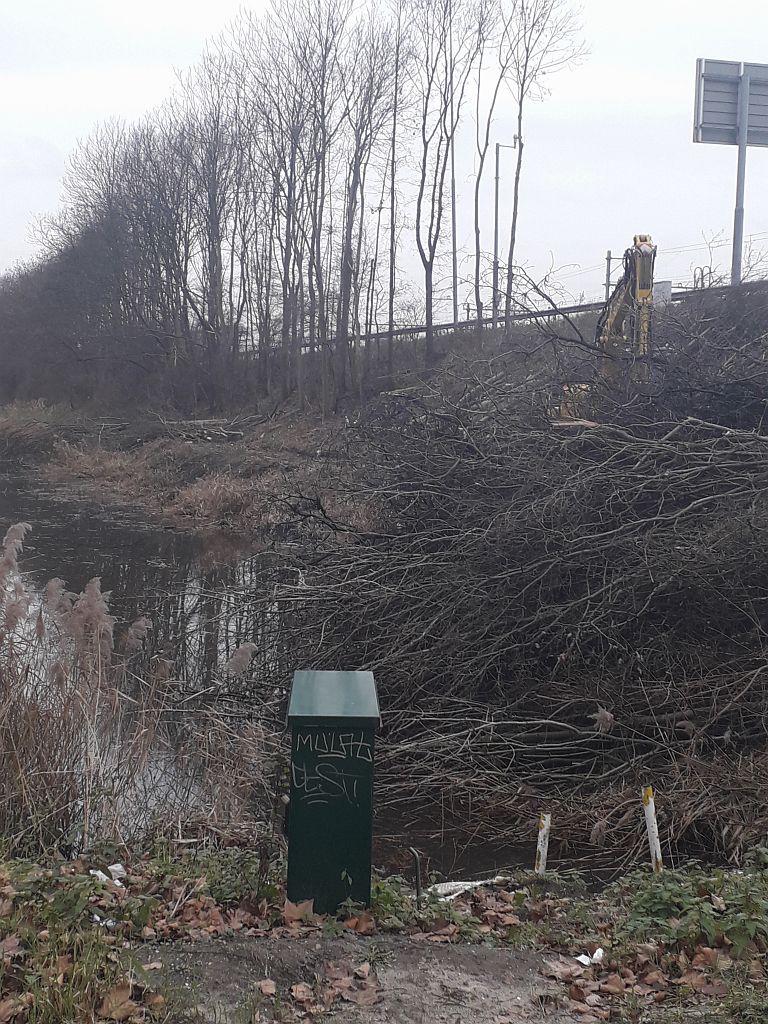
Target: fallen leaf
x,y
340,985
267,987
15,1008
693,979
537,909
706,957
154,1001
613,985
303,911
656,980
585,1012
365,995
10,947
302,992
336,969
363,970
562,970
715,987
647,949
362,924
327,997
64,964
117,1003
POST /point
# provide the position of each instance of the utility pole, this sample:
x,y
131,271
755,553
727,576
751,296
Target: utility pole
x,y
608,275
495,302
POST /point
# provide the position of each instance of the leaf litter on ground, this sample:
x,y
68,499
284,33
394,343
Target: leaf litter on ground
x,y
177,901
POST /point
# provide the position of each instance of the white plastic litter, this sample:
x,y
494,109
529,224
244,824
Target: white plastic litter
x,y
104,922
450,890
586,960
115,879
117,871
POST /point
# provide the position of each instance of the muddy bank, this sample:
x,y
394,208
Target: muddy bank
x,y
236,476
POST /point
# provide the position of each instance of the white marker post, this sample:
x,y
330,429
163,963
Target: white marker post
x,y
653,829
542,846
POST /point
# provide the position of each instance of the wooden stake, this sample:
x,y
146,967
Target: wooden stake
x,y
542,845
653,829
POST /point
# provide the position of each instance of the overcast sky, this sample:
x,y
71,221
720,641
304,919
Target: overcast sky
x,y
608,154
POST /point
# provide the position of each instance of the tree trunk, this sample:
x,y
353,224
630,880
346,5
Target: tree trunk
x,y
429,352
478,297
285,330
345,277
392,206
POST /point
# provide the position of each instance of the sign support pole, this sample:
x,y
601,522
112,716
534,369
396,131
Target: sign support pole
x,y
741,174
495,303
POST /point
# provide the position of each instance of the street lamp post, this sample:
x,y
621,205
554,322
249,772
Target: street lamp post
x,y
499,146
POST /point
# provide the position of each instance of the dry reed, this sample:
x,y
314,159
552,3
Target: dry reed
x,y
93,750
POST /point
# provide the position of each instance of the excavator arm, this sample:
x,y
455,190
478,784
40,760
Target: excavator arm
x,y
623,332
624,326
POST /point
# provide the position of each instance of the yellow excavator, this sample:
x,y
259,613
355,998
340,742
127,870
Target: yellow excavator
x,y
624,326
623,332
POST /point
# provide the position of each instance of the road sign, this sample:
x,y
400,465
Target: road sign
x,y
718,87
719,84
732,110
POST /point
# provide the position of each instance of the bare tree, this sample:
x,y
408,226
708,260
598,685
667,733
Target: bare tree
x,y
441,73
500,23
396,101
368,94
543,37
229,245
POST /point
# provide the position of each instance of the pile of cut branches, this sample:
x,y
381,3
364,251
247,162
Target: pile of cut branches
x,y
554,614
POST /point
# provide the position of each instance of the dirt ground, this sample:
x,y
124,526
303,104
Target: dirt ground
x,y
216,981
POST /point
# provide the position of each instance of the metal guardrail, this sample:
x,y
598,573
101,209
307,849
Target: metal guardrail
x,y
550,313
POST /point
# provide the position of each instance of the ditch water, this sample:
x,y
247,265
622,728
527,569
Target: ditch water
x,y
193,589
201,595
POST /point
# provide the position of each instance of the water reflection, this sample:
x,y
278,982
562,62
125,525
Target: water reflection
x,y
183,733
204,595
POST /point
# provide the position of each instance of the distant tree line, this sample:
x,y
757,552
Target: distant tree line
x,y
243,238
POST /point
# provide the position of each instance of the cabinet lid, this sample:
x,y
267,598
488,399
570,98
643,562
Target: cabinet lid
x,y
325,698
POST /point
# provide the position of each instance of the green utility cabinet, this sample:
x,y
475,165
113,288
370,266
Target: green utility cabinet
x,y
333,718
